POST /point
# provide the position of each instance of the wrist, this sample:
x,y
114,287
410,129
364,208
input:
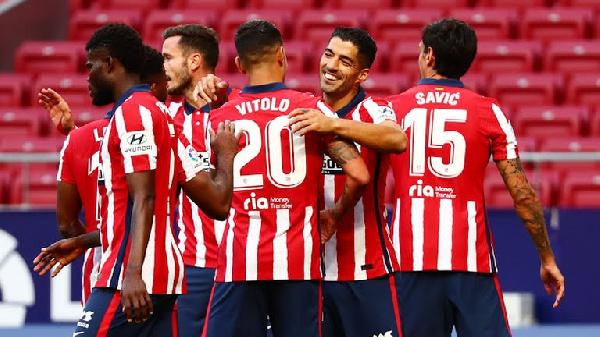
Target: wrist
x,y
133,270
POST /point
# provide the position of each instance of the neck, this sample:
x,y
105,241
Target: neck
x,y
264,74
188,94
433,75
127,82
339,100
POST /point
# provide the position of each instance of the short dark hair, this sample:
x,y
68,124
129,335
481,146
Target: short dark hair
x,y
454,45
154,64
367,48
256,38
122,42
197,38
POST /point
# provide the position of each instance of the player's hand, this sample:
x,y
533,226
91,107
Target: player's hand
x,y
328,222
303,121
554,281
225,141
58,254
212,90
59,110
136,301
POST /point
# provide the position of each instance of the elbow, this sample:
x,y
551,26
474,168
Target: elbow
x,y
525,198
64,231
362,178
399,141
220,213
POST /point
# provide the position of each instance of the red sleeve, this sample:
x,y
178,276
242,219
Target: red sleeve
x,y
499,131
65,172
136,130
187,162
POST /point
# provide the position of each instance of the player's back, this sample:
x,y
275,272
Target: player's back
x,y
272,231
439,220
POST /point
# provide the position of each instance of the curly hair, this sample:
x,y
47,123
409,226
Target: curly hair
x,y
197,38
153,65
122,42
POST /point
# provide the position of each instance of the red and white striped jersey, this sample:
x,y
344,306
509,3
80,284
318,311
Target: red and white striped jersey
x,y
272,230
361,248
79,160
440,219
199,235
140,137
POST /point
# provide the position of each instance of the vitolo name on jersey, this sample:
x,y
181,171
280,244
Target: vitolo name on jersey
x,y
419,190
137,143
254,203
330,167
262,104
441,97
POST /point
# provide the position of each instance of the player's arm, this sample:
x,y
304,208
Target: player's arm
x,y
346,155
58,109
68,208
529,209
386,136
63,252
213,195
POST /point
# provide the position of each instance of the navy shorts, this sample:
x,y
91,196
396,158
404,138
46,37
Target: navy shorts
x,y
361,308
103,316
241,309
431,303
192,307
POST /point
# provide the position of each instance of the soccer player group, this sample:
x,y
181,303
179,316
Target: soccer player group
x,y
281,221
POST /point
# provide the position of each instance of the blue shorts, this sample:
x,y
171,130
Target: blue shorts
x,y
192,307
361,308
241,309
431,303
103,316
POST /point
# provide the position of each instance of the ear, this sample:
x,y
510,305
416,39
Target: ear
x,y
362,76
195,61
430,57
281,58
239,65
110,64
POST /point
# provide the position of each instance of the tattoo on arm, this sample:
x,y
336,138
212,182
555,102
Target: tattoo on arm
x,y
526,202
341,151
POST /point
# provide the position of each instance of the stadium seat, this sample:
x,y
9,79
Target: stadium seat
x,y
507,57
476,82
19,122
580,189
14,89
526,89
75,5
35,187
304,83
157,21
595,123
544,122
31,144
235,80
143,5
43,57
384,85
401,26
300,56
82,24
437,4
584,89
360,4
227,54
497,195
571,144
232,19
316,26
594,4
517,4
5,186
489,23
86,114
73,88
219,6
546,24
404,58
573,57
295,5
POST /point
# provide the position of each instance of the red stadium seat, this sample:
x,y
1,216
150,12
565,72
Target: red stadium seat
x,y
497,195
19,122
571,144
573,57
14,89
526,89
546,24
75,5
30,144
595,123
580,189
279,4
38,188
317,25
476,82
489,23
594,4
584,89
235,80
404,58
544,122
73,88
402,26
42,57
507,56
86,114
518,4
219,6
360,4
438,4
143,5
304,83
5,186
227,54
232,19
157,21
300,56
85,22
384,85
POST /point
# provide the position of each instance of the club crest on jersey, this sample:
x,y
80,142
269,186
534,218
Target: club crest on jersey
x,y
330,167
419,190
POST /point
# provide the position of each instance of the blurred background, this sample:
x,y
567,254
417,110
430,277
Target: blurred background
x,y
539,58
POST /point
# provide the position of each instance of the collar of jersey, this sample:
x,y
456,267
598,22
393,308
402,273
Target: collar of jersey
x,y
189,109
121,100
360,96
258,89
443,82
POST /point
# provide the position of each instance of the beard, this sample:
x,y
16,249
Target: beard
x,y
185,81
104,93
